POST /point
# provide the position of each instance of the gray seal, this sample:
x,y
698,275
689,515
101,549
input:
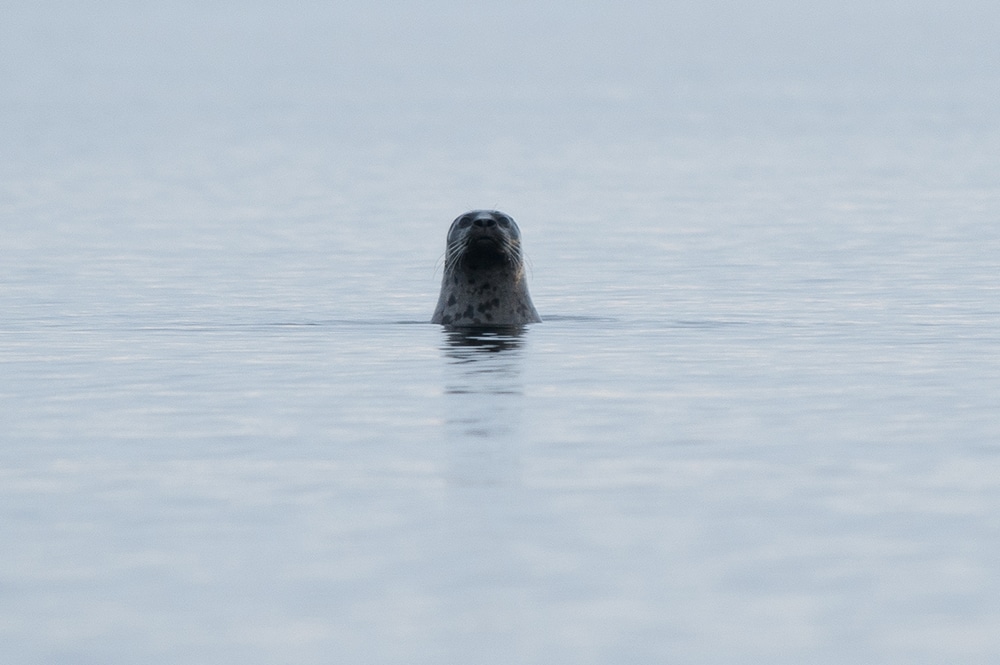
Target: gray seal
x,y
483,283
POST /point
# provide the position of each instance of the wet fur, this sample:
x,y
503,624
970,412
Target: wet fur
x,y
484,283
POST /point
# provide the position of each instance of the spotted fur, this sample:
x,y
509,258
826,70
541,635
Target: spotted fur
x,y
483,282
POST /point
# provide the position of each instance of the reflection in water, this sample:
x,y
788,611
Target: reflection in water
x,y
491,340
485,392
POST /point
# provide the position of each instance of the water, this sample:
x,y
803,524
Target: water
x,y
759,421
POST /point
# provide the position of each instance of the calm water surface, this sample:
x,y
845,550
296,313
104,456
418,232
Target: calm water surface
x,y
759,422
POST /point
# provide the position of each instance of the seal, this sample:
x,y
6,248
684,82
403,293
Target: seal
x,y
483,283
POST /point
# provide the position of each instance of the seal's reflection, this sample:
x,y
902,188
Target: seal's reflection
x,y
491,340
484,394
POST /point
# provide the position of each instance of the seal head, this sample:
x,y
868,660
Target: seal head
x,y
484,283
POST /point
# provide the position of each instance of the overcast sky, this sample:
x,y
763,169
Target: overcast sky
x,y
48,48
108,72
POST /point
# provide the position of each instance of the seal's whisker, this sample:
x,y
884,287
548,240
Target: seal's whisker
x,y
511,249
454,252
528,263
441,261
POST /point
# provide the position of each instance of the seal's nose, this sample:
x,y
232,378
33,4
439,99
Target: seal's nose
x,y
485,222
